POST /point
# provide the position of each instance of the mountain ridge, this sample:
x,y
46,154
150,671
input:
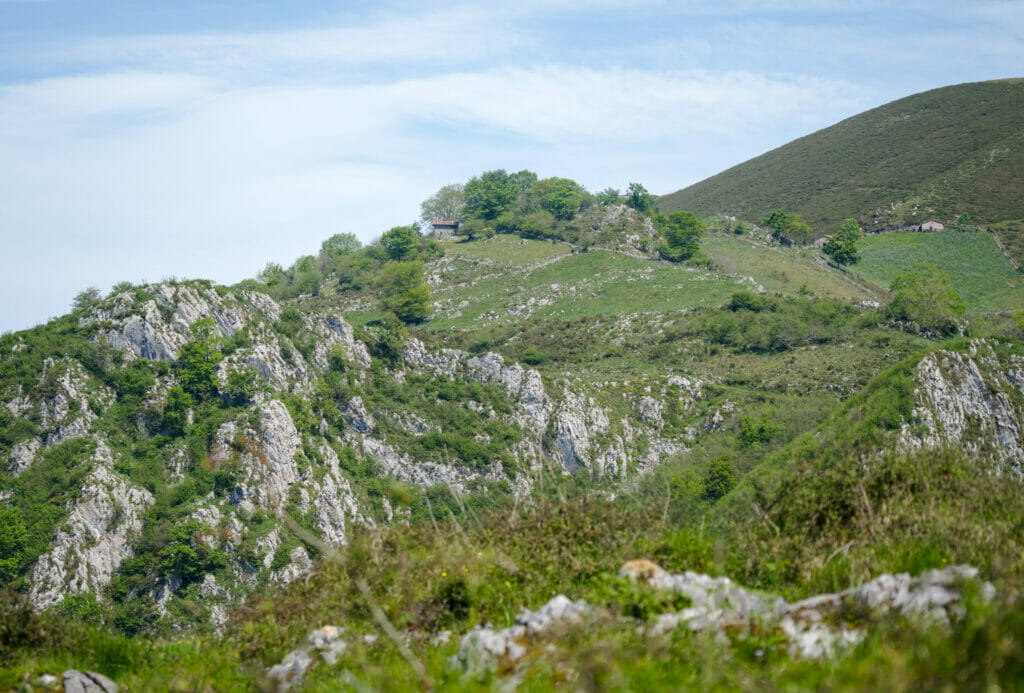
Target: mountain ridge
x,y
937,154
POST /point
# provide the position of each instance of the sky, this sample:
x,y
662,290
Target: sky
x,y
141,141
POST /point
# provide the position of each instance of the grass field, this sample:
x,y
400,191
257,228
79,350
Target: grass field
x,y
779,270
584,284
980,273
507,249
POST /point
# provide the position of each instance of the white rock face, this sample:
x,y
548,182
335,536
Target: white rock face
x,y
97,536
334,331
66,412
965,400
23,455
298,566
267,456
358,418
334,505
159,327
266,358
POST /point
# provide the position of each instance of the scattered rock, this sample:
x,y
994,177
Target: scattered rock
x,y
482,649
358,418
325,642
814,627
87,682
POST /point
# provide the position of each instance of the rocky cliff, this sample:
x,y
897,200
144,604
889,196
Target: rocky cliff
x,y
972,399
307,446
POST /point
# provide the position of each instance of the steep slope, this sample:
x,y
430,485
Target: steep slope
x,y
931,155
136,487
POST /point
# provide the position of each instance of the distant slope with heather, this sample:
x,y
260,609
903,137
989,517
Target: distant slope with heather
x,y
931,155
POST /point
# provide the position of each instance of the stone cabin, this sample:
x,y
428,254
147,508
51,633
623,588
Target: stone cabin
x,y
444,228
820,243
931,225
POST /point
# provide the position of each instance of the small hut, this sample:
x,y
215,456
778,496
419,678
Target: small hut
x,y
444,228
931,225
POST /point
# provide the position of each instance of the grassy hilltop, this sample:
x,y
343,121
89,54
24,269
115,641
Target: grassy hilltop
x,y
931,155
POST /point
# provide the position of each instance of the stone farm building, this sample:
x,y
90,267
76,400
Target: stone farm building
x,y
444,228
932,225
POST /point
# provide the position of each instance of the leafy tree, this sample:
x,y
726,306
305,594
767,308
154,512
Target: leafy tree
x,y
340,244
272,275
13,540
682,232
639,199
184,555
403,291
964,222
82,607
400,242
197,362
776,220
755,432
491,193
842,247
788,227
176,411
560,197
85,299
719,479
925,297
475,228
444,205
390,338
608,196
242,386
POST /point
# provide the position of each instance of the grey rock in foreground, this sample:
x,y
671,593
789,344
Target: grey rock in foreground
x,y
325,642
87,682
814,628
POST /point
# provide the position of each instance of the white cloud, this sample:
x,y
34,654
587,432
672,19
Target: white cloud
x,y
210,180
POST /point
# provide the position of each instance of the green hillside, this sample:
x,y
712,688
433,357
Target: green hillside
x,y
931,155
980,273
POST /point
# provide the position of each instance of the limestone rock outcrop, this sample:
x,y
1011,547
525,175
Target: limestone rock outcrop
x,y
99,532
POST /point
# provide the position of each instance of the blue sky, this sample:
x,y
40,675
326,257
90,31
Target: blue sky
x,y
145,140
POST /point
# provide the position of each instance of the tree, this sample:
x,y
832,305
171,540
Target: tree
x,y
272,275
788,227
13,539
682,232
197,362
964,222
608,196
719,479
176,411
639,199
842,247
400,242
85,299
340,244
242,386
403,291
444,205
776,221
560,197
925,297
490,194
